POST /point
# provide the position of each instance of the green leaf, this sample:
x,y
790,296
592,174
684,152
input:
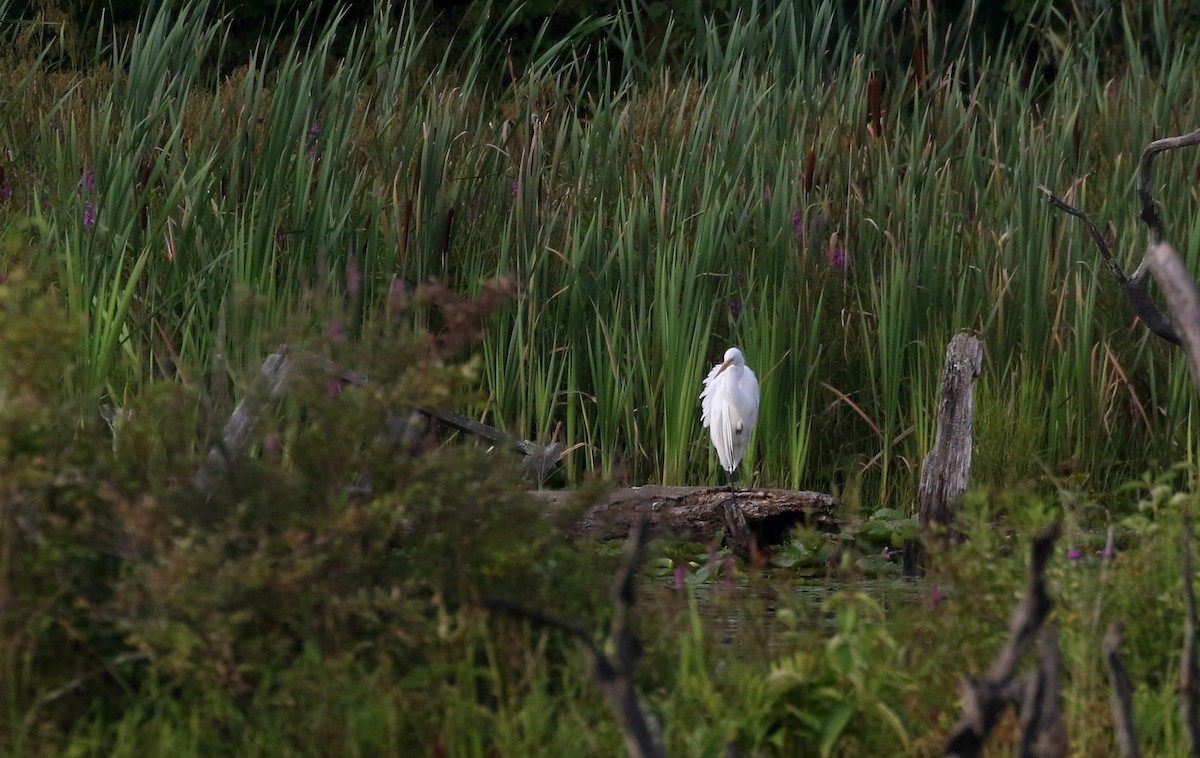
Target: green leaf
x,y
834,725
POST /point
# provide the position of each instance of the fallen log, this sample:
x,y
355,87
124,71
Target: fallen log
x,y
696,513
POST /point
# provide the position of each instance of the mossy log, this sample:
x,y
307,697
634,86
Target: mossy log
x,y
698,514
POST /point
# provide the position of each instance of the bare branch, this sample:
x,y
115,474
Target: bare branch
x,y
1145,190
1122,694
1135,289
983,702
1184,302
283,369
1182,299
613,675
1134,286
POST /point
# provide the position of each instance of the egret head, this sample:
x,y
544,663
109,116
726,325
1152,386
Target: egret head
x,y
733,357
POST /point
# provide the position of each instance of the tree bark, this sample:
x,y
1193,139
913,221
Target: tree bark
x,y
946,470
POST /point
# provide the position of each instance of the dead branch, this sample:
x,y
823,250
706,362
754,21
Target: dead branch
x,y
1134,286
1184,302
1043,734
284,369
1135,289
275,378
1182,299
613,675
984,702
1144,184
1121,701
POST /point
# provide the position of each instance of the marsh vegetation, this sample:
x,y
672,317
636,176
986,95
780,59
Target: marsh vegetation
x,y
836,188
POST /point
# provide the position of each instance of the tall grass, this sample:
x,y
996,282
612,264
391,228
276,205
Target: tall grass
x,y
655,214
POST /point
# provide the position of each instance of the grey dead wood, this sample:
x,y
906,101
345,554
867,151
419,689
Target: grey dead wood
x,y
985,700
1183,300
946,470
1134,285
1121,700
278,374
1179,290
284,369
614,674
697,514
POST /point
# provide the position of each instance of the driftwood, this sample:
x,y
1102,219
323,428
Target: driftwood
x,y
1134,285
699,513
614,674
1124,730
985,701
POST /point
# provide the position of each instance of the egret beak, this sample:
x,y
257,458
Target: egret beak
x,y
724,366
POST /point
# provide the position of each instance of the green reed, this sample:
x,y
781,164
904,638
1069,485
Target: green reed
x,y
654,213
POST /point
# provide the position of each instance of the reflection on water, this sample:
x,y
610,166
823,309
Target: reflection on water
x,y
765,607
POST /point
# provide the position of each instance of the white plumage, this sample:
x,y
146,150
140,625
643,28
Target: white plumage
x,y
729,408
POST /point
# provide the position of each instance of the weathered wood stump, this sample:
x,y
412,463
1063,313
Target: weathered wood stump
x,y
946,470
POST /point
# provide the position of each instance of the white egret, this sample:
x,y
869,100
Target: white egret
x,y
729,408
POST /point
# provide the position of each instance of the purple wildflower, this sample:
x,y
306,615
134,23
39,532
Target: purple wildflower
x,y
735,307
797,226
89,215
1074,554
840,259
334,389
767,196
5,192
87,180
336,333
680,575
516,185
271,442
311,142
935,598
1106,553
57,127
